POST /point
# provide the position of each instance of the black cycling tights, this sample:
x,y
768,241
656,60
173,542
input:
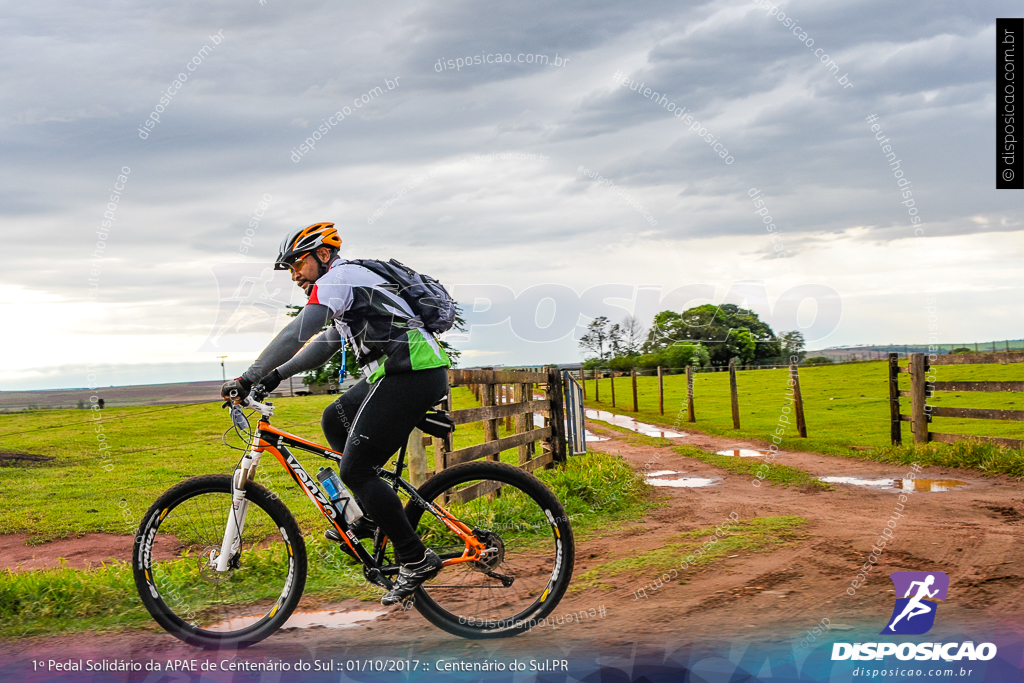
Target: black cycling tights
x,y
369,423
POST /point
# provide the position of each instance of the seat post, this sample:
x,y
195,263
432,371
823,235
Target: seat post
x,y
399,464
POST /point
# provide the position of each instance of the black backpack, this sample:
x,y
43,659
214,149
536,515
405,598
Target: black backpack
x,y
426,296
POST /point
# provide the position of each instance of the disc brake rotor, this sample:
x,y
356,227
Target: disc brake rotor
x,y
207,562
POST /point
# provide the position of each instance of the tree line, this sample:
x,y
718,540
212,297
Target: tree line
x,y
701,336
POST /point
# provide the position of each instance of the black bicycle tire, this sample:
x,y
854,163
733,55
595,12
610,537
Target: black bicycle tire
x,y
540,493
177,627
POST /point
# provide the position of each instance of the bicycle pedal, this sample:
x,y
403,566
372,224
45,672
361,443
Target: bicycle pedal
x,y
408,603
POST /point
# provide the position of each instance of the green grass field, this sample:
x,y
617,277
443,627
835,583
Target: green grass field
x,y
152,448
155,448
844,405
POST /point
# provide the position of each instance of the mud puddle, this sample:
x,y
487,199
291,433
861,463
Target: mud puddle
x,y
661,478
916,485
630,423
307,619
742,452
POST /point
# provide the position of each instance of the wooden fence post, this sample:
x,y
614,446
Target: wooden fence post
x,y
798,401
918,396
557,411
524,421
691,414
613,388
895,434
661,392
632,374
443,446
506,392
735,394
583,381
597,387
490,426
416,455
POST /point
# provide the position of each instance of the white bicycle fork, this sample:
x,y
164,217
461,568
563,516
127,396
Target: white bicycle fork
x,y
239,507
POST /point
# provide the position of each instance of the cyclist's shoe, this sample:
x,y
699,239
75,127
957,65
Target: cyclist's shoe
x,y
410,576
363,528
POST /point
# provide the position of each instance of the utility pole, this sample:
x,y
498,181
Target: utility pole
x,y
223,372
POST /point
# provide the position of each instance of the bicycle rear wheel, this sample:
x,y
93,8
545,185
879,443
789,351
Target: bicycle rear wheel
x,y
180,538
530,562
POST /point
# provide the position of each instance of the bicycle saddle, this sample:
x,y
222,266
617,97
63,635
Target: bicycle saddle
x,y
436,423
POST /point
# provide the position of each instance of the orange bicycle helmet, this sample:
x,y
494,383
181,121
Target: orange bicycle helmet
x,y
305,240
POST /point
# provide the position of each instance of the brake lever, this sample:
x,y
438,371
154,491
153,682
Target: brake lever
x,y
238,418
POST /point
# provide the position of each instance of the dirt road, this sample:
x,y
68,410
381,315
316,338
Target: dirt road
x,y
973,533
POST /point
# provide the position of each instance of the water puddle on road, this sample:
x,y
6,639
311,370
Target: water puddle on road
x,y
918,485
925,485
658,479
538,421
857,481
742,452
316,618
630,423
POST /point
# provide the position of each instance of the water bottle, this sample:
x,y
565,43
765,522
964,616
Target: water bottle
x,y
339,495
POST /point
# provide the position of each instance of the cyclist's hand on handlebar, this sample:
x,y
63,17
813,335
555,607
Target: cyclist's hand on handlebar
x,y
236,390
271,382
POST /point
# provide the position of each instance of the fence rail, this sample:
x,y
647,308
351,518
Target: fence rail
x,y
921,390
506,395
660,372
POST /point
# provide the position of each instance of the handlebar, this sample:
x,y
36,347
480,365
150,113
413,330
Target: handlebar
x,y
253,400
265,409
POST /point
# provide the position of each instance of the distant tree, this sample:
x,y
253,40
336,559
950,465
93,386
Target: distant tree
x,y
601,337
792,343
818,360
632,335
962,349
726,331
676,356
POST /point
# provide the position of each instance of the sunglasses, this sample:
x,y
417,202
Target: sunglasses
x,y
297,263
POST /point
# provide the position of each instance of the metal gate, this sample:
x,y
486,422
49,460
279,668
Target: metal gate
x,y
575,414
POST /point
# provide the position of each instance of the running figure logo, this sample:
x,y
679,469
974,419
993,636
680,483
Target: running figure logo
x,y
912,615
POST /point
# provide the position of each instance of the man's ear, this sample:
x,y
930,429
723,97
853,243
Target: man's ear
x,y
323,255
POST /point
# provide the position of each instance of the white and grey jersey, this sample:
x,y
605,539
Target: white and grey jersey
x,y
381,327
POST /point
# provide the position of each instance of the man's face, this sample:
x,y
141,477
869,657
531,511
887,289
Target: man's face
x,y
306,270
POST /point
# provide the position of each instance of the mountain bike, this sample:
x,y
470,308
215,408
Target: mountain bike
x,y
219,560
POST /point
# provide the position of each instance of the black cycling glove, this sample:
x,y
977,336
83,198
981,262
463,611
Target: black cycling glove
x,y
271,381
235,389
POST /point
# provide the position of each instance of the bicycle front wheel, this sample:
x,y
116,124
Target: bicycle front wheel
x,y
175,556
530,551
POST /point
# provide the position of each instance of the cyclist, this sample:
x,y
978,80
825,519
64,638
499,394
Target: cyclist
x,y
405,375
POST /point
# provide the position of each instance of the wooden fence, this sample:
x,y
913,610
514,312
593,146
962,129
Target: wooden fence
x,y
921,390
504,395
798,402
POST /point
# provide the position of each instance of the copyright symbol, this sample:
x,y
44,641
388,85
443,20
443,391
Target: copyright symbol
x,y
1007,174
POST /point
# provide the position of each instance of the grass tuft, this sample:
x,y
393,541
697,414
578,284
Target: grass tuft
x,y
971,454
760,534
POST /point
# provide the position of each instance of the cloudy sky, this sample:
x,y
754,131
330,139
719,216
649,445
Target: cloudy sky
x,y
165,300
